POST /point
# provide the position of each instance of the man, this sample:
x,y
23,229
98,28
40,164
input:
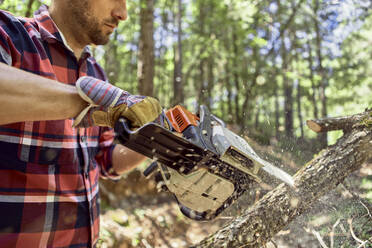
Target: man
x,y
53,97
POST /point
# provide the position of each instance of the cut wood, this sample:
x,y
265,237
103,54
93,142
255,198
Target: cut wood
x,y
283,204
340,123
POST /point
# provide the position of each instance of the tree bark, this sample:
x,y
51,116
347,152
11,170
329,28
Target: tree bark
x,y
249,89
321,70
288,94
345,123
283,204
202,86
234,40
29,8
299,109
146,57
277,114
229,91
311,77
161,89
178,94
111,60
257,116
210,84
201,83
273,78
228,81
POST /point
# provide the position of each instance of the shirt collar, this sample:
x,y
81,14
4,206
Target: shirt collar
x,y
49,30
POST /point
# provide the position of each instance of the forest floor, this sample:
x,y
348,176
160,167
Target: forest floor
x,y
142,218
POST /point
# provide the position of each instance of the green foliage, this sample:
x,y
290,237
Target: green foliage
x,y
254,48
20,7
366,185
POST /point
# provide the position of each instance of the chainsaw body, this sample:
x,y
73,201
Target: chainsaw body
x,y
205,165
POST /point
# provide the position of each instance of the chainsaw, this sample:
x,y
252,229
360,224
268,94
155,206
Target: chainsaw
x,y
198,159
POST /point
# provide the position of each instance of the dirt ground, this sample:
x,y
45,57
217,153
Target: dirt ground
x,y
342,218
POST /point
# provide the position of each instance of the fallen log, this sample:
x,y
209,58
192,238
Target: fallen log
x,y
280,206
345,123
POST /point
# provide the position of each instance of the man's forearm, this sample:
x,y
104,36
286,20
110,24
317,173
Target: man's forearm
x,y
28,97
125,159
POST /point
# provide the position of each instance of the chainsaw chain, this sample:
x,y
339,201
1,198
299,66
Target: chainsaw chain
x,y
242,183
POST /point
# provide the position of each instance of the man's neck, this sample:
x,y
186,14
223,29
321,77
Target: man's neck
x,y
68,34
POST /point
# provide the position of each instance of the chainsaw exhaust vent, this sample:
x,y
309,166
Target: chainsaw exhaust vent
x,y
179,120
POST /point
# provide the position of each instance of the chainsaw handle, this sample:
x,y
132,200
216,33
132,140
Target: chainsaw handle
x,y
160,120
122,130
125,125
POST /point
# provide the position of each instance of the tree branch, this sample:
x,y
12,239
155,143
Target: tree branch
x,y
280,206
340,123
319,238
285,26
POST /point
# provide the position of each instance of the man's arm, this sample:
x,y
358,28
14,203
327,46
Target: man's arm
x,y
28,97
125,159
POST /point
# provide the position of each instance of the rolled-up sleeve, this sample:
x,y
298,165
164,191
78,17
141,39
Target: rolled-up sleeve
x,y
104,155
5,42
4,49
10,41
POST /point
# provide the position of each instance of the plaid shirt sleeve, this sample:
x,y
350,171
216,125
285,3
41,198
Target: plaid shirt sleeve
x,y
104,155
9,54
8,50
4,48
49,170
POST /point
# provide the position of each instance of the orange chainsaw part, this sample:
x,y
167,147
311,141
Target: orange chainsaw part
x,y
181,118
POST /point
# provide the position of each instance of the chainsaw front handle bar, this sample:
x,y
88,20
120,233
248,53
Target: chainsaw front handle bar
x,y
125,124
162,120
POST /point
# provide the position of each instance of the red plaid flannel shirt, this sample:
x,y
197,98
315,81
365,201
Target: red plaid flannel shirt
x,y
49,171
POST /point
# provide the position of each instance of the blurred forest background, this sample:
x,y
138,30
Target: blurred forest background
x,y
263,66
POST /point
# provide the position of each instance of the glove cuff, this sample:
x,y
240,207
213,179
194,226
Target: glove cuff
x,y
101,96
98,92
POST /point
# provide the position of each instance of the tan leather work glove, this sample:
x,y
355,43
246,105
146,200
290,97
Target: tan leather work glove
x,y
108,103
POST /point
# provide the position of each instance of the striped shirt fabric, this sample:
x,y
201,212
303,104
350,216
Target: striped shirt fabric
x,y
49,171
105,95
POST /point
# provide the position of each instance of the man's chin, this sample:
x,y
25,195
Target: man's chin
x,y
101,40
101,43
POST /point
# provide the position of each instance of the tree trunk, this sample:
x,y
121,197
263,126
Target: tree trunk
x,y
311,76
228,81
288,98
321,69
257,116
273,79
229,91
277,114
146,58
249,89
201,82
210,84
29,8
178,95
162,86
236,77
288,107
283,204
297,83
299,109
111,60
132,68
